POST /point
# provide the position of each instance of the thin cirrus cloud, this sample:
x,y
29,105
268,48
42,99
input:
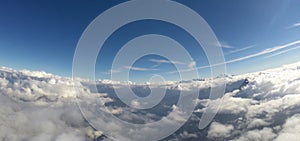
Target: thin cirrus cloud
x,y
163,61
266,51
284,51
226,46
263,52
140,68
240,50
129,68
223,44
294,25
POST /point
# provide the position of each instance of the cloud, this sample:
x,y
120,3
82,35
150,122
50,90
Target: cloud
x,y
69,137
263,52
265,134
163,61
256,123
294,25
249,111
226,45
266,51
128,68
109,72
254,108
282,52
240,50
189,66
40,106
291,129
218,130
192,64
140,68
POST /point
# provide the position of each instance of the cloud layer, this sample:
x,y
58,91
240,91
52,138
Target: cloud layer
x,y
257,106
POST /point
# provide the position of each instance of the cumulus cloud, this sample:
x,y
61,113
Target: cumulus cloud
x,y
258,109
265,134
217,130
192,64
257,106
40,106
291,129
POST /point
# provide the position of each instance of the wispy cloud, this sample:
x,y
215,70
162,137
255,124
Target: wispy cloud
x,y
226,45
192,65
266,51
223,44
294,25
139,68
163,61
263,52
284,51
240,50
128,68
109,72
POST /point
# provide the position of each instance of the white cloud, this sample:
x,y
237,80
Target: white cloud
x,y
266,51
218,130
186,135
160,61
192,64
241,49
30,100
294,25
40,106
291,129
256,123
263,52
69,137
266,134
282,52
268,95
231,105
226,45
139,68
109,72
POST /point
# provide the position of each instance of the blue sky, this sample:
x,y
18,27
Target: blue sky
x,y
255,34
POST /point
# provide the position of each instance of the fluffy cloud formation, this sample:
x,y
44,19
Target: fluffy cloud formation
x,y
257,106
39,106
265,134
291,129
217,130
265,109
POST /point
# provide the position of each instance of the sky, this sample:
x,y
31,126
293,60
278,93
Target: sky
x,y
255,35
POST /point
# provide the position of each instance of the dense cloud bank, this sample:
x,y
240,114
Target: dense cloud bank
x,y
259,106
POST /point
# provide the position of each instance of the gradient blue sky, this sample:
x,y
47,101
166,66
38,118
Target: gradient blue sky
x,y
42,35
